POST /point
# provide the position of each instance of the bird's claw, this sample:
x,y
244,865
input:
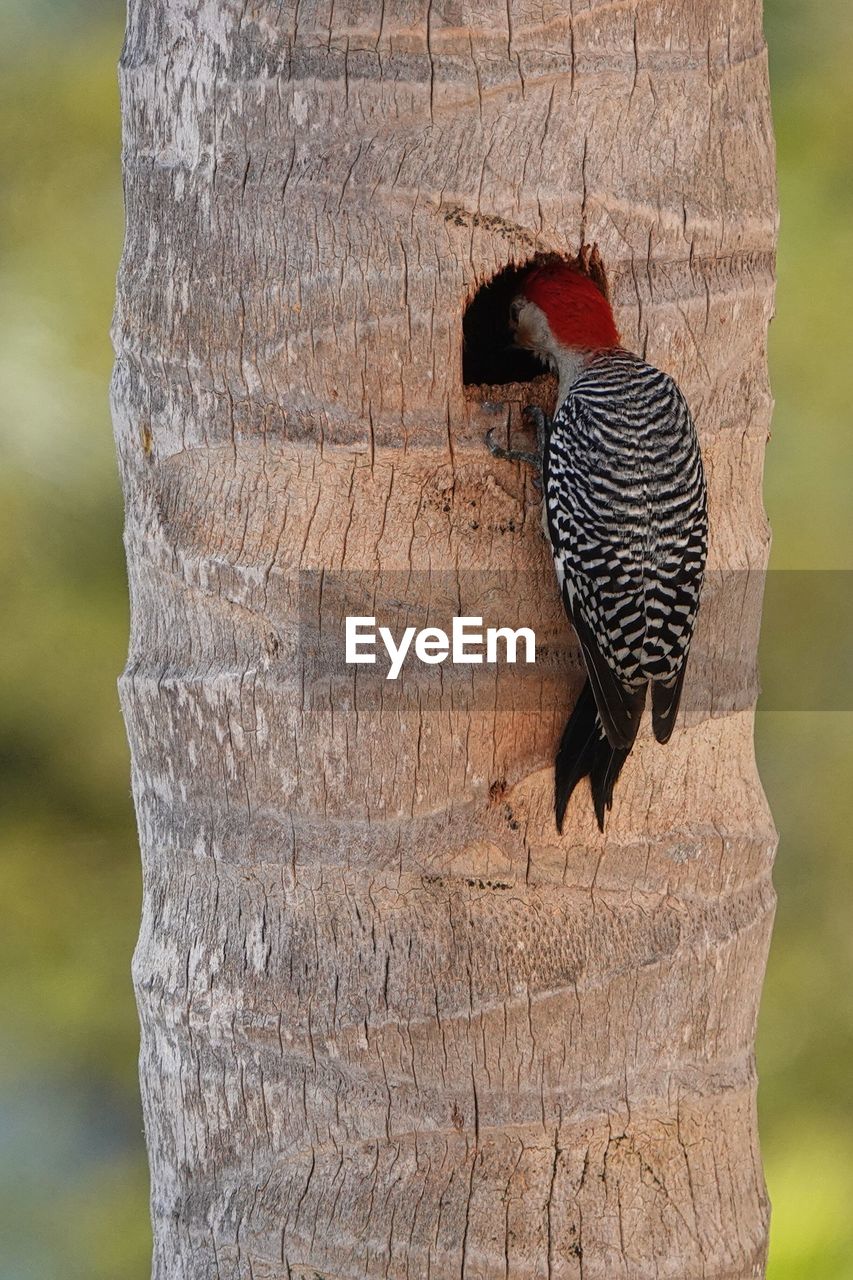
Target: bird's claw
x,y
496,450
510,455
537,419
535,416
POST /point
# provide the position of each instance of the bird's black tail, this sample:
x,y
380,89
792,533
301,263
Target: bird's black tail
x,y
585,752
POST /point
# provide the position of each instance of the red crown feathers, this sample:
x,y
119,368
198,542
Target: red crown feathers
x,y
577,311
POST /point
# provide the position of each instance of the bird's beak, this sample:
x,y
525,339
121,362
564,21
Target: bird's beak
x,y
520,337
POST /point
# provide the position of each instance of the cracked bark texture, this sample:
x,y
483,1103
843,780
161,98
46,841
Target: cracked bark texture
x,y
392,1025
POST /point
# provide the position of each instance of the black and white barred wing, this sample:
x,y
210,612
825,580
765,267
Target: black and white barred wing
x,y
625,499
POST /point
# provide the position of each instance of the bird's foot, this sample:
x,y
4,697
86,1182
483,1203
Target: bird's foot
x,y
534,458
510,455
541,425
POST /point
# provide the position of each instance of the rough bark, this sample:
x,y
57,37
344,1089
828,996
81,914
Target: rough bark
x,y
392,1024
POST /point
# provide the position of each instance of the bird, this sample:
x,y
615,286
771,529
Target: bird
x,y
625,511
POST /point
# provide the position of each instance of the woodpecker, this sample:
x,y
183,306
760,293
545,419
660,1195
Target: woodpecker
x,y
626,515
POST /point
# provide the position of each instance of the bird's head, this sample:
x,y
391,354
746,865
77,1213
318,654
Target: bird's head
x,y
561,315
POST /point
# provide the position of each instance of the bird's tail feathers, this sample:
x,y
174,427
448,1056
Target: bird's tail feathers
x,y
585,752
665,703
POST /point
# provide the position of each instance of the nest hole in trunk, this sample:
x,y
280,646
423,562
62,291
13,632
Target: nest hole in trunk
x,y
489,358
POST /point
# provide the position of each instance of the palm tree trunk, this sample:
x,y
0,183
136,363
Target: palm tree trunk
x,y
392,1025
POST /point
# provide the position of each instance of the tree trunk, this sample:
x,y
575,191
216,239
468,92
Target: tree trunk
x,y
392,1024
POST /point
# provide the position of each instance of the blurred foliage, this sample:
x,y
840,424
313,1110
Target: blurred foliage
x,y
73,1187
805,1043
73,1190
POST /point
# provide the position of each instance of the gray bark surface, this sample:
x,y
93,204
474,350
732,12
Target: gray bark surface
x,y
392,1025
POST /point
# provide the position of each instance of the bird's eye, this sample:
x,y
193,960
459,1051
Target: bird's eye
x,y
515,310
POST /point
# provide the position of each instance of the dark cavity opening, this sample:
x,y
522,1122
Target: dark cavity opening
x,y
488,355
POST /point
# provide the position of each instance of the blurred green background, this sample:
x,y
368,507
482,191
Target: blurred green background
x,y
73,1187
